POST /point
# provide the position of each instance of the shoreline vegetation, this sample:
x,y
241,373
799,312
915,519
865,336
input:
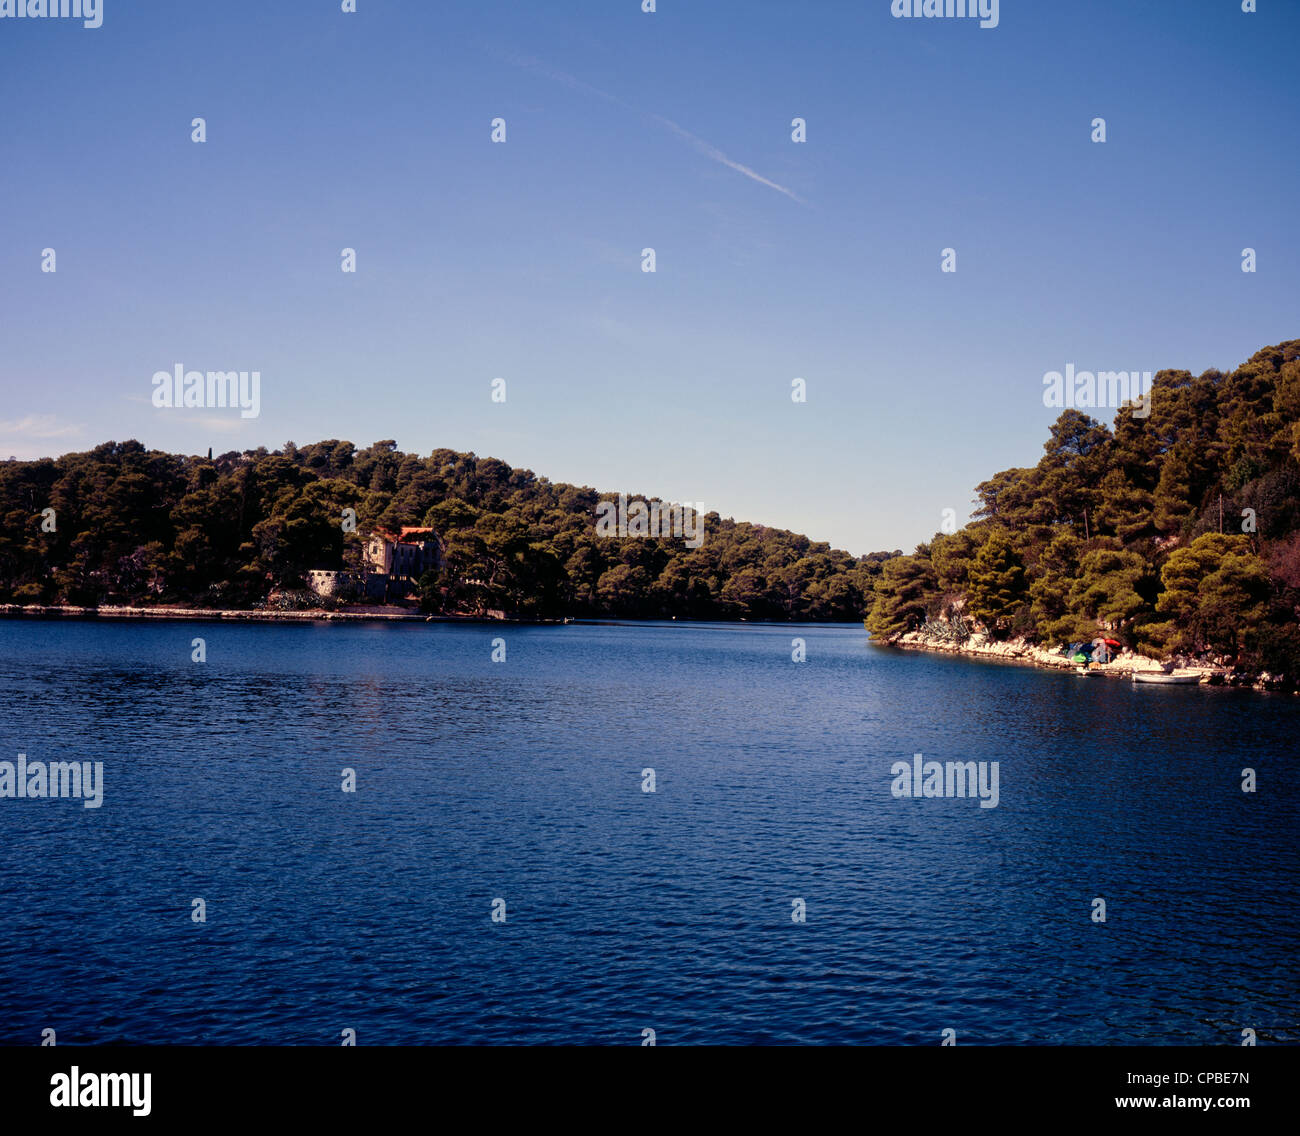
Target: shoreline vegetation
x,y
324,525
1175,532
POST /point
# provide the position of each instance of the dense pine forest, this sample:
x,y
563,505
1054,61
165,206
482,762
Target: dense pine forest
x,y
1179,531
133,525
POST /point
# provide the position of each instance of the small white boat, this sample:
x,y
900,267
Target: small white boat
x,y
1165,679
1085,671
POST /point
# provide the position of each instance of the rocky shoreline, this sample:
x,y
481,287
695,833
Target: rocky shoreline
x,y
70,611
1123,665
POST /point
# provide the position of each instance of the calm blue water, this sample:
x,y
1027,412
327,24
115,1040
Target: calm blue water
x,y
626,910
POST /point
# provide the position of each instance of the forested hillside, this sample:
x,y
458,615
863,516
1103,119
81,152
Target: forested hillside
x,y
136,525
1180,531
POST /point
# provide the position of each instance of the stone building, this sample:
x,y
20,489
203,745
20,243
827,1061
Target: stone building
x,y
392,564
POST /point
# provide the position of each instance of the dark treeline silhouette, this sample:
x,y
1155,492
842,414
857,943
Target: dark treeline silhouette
x,y
1180,531
140,526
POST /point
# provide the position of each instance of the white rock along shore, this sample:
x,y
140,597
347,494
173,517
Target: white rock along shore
x,y
1122,665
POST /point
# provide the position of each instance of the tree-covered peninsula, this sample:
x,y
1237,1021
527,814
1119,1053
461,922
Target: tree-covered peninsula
x,y
1177,531
137,526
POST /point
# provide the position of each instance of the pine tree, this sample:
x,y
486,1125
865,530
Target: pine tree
x,y
906,587
997,581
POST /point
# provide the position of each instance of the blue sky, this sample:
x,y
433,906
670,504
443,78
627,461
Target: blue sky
x,y
522,260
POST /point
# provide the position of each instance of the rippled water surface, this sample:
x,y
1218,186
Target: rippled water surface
x,y
627,910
